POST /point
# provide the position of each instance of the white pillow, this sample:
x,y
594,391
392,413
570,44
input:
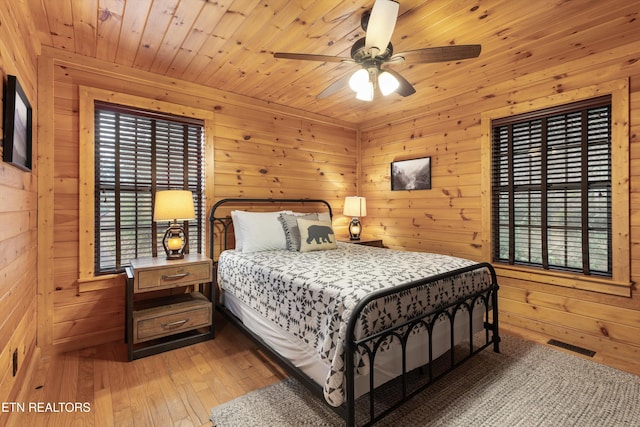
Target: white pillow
x,y
258,231
236,229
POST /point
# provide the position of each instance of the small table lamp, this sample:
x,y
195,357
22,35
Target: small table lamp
x,y
355,207
174,205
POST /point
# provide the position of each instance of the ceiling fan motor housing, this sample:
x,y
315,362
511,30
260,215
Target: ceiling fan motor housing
x,y
359,52
364,21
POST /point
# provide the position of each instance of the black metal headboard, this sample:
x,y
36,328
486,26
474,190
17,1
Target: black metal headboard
x,y
225,220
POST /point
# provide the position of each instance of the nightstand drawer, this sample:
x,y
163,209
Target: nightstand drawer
x,y
170,277
185,312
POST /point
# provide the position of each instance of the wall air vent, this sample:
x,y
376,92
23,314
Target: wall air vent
x,y
570,347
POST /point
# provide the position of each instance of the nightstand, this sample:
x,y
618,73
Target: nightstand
x,y
366,242
169,304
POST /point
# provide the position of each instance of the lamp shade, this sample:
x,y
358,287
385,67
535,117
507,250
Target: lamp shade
x,y
355,206
359,80
366,93
387,83
174,205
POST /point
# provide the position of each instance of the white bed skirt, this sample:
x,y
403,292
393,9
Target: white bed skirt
x,y
388,364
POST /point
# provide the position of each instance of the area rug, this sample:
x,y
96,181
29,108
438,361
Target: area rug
x,y
525,385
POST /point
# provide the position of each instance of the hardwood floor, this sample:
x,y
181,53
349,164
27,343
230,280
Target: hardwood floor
x,y
176,388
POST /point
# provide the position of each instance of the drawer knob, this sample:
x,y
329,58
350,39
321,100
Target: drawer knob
x,y
174,324
175,276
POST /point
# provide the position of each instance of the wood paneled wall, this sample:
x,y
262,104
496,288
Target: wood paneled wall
x,y
447,218
18,203
262,150
257,150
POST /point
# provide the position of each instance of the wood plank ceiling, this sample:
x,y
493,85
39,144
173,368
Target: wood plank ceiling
x,y
229,44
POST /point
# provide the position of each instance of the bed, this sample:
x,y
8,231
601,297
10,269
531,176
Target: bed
x,y
320,306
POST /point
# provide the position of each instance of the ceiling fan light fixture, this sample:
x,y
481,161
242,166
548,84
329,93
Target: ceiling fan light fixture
x,y
359,80
375,50
365,93
387,83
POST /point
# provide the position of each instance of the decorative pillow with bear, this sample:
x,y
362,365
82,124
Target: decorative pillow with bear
x,y
316,235
291,230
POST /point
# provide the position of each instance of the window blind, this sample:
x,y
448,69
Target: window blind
x,y
138,153
551,201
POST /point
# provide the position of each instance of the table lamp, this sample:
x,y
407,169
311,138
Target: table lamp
x,y
355,207
174,205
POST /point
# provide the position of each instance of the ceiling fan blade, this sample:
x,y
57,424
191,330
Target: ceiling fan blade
x,y
382,21
405,88
311,57
337,85
438,54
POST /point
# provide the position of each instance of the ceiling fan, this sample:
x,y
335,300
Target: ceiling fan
x,y
375,49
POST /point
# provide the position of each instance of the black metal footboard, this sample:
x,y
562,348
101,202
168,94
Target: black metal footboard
x,y
402,331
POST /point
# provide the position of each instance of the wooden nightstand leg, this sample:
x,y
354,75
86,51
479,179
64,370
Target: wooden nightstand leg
x,y
128,318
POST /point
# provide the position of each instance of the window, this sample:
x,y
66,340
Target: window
x,y
137,153
551,188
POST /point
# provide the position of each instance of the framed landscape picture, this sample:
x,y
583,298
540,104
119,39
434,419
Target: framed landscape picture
x,y
414,174
16,144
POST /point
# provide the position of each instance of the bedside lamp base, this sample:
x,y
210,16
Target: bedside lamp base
x,y
355,228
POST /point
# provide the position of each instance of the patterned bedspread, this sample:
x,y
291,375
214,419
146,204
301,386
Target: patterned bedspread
x,y
312,294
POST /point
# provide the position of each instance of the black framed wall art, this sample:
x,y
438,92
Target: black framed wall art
x,y
17,134
413,174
